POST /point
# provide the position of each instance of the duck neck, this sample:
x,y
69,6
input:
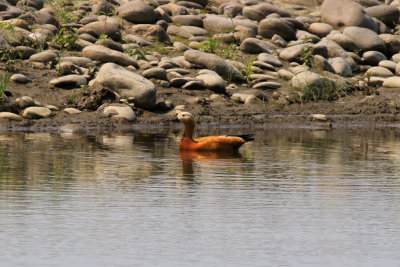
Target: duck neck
x,y
189,129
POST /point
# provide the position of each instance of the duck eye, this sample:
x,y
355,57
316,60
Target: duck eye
x,y
183,115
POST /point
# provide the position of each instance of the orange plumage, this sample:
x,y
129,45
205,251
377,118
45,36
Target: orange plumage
x,y
209,143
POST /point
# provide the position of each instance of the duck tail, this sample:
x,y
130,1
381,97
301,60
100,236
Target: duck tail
x,y
247,137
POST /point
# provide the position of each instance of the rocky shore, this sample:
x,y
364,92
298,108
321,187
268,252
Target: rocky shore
x,y
120,63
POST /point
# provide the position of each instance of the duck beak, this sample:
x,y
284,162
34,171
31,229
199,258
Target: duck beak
x,y
174,119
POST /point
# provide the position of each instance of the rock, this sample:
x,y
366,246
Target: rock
x,y
392,43
285,74
344,13
385,13
45,56
20,78
244,98
212,81
151,32
340,66
137,12
120,111
270,59
346,42
306,37
294,53
215,63
320,117
25,101
155,73
335,50
393,82
107,27
72,111
36,113
320,29
110,44
104,54
179,31
373,58
270,26
67,67
22,52
79,61
379,71
256,46
195,31
218,24
190,20
181,47
366,39
179,82
267,85
320,63
388,64
8,116
132,38
263,65
306,78
69,81
127,84
260,11
193,85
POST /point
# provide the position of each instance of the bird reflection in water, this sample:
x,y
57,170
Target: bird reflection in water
x,y
210,158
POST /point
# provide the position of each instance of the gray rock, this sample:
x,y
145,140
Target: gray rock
x,y
133,38
385,13
306,36
365,38
256,46
392,43
120,111
67,67
388,64
193,85
306,78
69,81
346,42
127,84
195,31
263,65
150,32
393,82
20,78
72,111
267,85
137,12
212,81
215,63
270,26
45,56
36,113
270,59
373,58
155,73
179,31
319,62
25,101
260,11
379,71
285,74
190,20
79,61
293,53
179,46
342,13
104,54
107,27
340,66
320,29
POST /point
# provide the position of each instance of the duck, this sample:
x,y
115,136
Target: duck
x,y
222,143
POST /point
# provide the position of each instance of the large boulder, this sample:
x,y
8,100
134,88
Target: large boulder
x,y
215,63
137,12
106,27
342,13
127,84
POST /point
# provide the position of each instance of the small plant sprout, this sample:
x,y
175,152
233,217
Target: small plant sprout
x,y
247,71
4,81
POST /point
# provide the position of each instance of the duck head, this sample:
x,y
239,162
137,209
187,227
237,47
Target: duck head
x,y
187,119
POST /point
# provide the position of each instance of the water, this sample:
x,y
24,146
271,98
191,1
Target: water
x,y
293,197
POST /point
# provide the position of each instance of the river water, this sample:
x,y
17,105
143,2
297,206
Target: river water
x,y
292,197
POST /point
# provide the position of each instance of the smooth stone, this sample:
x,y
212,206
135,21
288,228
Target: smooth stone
x,y
106,27
105,55
10,116
155,73
137,12
293,53
320,117
181,47
179,31
69,81
256,46
388,64
120,111
67,67
178,82
215,63
392,43
321,63
127,84
193,85
195,31
365,38
79,61
45,56
20,78
133,38
305,78
270,26
72,111
385,13
344,41
306,36
379,71
342,13
320,29
25,101
261,77
244,98
393,82
260,11
36,113
396,57
270,59
190,20
285,74
373,58
340,66
263,65
212,81
267,85
150,32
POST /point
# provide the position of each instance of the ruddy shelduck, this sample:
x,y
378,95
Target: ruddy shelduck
x,y
209,143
